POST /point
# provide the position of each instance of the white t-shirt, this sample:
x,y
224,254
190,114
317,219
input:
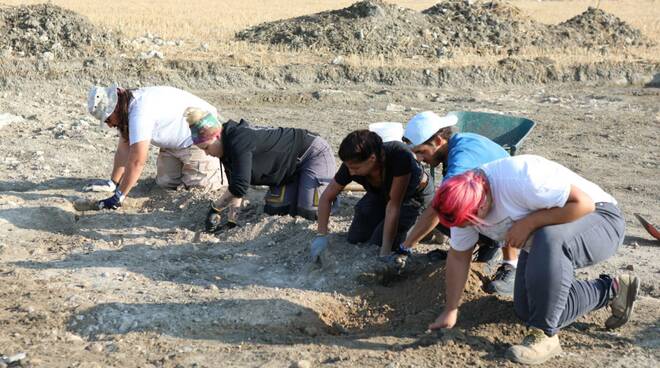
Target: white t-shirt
x,y
156,114
519,186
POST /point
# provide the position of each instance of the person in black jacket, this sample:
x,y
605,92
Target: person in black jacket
x,y
397,188
296,164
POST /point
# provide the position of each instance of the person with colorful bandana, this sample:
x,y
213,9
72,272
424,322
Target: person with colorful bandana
x,y
295,164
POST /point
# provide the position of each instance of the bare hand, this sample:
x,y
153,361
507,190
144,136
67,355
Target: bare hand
x,y
446,320
518,234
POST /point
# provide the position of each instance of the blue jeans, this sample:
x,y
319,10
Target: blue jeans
x,y
546,294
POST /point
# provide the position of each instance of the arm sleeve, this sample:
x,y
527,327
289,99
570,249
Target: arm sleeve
x,y
241,173
343,177
463,238
140,125
460,164
545,190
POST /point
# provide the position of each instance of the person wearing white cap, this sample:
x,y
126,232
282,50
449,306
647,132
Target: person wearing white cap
x,y
435,140
144,116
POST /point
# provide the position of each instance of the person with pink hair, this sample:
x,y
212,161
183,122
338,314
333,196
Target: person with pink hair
x,y
560,221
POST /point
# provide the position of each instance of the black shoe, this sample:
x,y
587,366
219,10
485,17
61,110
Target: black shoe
x,y
503,281
213,220
490,255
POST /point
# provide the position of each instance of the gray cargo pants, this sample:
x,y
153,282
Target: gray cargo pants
x,y
546,294
300,197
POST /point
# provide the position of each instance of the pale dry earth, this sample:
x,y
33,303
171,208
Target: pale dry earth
x,y
141,287
136,287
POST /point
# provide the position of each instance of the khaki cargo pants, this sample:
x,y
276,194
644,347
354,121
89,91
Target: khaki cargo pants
x,y
188,167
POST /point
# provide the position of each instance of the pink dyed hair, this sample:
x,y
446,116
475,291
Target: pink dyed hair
x,y
459,197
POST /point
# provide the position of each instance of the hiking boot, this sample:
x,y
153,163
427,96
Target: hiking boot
x,y
625,287
502,282
490,255
536,348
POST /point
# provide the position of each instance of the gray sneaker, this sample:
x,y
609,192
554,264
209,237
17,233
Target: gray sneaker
x,y
491,256
503,281
623,302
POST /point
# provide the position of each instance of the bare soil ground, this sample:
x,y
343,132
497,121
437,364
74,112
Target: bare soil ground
x,y
142,287
137,287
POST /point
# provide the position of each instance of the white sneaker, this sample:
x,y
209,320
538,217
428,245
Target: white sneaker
x,y
536,348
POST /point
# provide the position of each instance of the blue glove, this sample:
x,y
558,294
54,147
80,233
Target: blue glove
x,y
319,244
113,202
403,250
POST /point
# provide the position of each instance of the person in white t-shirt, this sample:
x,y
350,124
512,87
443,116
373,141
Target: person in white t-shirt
x,y
561,222
151,115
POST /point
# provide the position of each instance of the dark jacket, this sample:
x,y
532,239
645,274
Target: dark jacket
x,y
261,156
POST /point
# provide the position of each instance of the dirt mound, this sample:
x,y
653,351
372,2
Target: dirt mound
x,y
373,27
367,27
596,27
48,31
490,25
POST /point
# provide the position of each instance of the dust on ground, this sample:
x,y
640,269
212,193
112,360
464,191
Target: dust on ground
x,y
142,287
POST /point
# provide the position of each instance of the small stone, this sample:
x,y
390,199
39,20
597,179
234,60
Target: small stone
x,y
95,347
212,287
339,60
630,267
301,364
73,338
311,331
15,358
48,56
394,108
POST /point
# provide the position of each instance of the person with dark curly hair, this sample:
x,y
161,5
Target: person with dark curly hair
x,y
396,188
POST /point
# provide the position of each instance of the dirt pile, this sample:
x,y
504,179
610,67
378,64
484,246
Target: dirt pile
x,y
48,31
373,27
366,27
491,25
595,27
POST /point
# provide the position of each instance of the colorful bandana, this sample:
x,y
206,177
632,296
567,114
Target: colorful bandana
x,y
205,129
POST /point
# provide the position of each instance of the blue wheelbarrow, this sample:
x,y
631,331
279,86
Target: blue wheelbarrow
x,y
506,130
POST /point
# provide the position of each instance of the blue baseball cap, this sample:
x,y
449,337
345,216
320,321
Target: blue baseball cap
x,y
425,124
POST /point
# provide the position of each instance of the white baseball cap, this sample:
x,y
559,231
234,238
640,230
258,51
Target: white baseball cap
x,y
425,124
101,101
388,131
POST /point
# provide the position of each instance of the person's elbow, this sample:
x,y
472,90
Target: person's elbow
x,y
326,198
587,206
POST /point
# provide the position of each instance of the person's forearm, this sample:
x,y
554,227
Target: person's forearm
x,y
323,215
119,165
558,215
392,212
424,225
456,274
131,175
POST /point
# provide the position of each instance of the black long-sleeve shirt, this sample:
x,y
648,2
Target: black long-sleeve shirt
x,y
261,156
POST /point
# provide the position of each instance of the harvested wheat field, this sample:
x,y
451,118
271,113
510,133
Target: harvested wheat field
x,y
143,286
